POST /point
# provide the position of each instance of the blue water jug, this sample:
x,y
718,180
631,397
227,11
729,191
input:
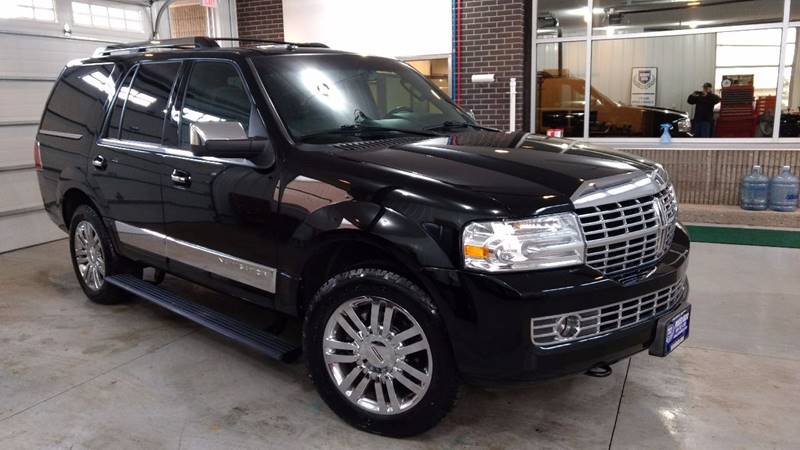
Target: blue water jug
x,y
783,190
666,138
753,190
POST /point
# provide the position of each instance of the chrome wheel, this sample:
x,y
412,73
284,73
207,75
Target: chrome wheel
x,y
377,355
89,256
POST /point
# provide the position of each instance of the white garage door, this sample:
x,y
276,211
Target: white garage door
x,y
34,46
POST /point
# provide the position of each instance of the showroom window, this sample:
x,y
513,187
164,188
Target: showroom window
x,y
41,10
702,69
107,17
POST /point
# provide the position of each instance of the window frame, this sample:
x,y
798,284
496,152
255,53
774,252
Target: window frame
x,y
786,26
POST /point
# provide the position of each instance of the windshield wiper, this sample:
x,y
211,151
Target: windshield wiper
x,y
357,128
450,124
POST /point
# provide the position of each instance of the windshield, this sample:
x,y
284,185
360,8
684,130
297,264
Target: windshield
x,y
325,97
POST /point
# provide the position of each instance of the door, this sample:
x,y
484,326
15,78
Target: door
x,y
219,213
128,165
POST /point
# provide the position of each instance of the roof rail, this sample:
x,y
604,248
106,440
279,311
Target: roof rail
x,y
273,42
135,47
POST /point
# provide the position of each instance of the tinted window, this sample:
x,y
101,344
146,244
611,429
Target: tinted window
x,y
78,101
147,102
119,103
215,93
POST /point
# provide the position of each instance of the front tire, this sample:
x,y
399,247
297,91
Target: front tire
x,y
378,354
94,258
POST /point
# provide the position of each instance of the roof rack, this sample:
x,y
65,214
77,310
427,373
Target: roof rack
x,y
178,43
273,42
190,43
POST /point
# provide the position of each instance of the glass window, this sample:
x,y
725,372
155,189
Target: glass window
x,y
560,88
561,18
110,17
119,104
670,79
326,97
78,102
41,10
437,70
215,93
638,16
147,101
790,109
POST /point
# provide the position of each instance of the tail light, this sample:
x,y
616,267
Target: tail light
x,y
37,155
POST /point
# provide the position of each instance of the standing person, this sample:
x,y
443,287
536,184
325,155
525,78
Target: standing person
x,y
704,102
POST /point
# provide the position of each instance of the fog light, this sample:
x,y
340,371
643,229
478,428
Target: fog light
x,y
568,327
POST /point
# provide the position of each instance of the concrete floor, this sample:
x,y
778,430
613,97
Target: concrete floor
x,y
78,375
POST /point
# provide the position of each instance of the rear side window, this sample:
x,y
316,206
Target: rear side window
x,y
216,92
147,100
77,104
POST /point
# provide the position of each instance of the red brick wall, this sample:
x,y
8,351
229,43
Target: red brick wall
x,y
260,19
493,41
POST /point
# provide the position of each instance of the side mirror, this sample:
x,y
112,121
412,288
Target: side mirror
x,y
223,140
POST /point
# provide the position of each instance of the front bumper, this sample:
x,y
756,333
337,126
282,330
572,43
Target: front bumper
x,y
488,317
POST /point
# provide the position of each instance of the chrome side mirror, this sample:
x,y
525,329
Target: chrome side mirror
x,y
223,140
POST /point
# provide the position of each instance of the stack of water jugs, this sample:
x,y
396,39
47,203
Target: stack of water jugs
x,y
759,192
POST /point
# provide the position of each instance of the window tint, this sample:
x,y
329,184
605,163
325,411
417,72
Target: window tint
x,y
79,98
147,102
116,113
215,93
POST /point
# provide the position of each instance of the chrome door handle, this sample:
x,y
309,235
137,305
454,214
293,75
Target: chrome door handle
x,y
99,162
181,178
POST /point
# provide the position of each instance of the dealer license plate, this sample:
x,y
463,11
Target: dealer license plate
x,y
677,331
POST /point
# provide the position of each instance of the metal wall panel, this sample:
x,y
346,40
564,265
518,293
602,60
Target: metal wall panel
x,y
20,191
22,230
16,145
23,100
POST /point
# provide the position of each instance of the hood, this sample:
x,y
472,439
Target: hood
x,y
522,172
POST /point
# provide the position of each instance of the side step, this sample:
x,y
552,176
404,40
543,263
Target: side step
x,y
262,341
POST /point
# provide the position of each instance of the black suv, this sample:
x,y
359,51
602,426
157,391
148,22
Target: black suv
x,y
417,247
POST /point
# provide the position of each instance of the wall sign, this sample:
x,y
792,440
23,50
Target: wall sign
x,y
643,86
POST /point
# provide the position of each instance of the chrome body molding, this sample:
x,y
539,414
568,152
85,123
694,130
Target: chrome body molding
x,y
218,263
62,134
142,238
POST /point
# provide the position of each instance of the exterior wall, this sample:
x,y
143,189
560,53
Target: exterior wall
x,y
260,19
711,177
493,41
392,28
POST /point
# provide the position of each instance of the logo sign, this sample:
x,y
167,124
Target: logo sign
x,y
555,132
643,86
210,3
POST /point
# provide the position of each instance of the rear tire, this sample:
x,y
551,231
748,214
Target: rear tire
x,y
94,257
395,377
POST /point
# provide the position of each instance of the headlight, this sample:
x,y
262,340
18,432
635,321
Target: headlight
x,y
684,126
538,243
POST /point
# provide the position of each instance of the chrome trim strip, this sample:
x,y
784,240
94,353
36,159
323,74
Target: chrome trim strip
x,y
602,320
218,263
62,134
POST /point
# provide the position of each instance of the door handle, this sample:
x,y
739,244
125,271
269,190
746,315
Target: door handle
x,y
99,162
181,178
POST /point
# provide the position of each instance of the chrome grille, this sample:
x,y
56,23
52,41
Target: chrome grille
x,y
608,318
626,236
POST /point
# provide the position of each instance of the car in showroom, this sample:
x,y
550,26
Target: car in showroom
x,y
560,106
418,248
